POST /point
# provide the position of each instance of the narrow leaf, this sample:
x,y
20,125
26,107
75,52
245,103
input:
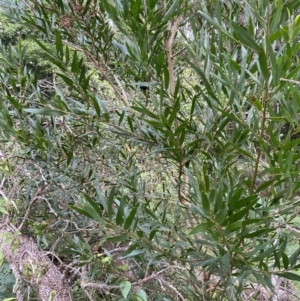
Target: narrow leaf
x,y
288,275
201,227
80,210
263,64
170,11
133,254
118,238
96,105
285,260
130,218
245,37
45,112
145,112
95,206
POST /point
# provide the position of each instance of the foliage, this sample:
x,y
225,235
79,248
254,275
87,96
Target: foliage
x,y
169,186
7,281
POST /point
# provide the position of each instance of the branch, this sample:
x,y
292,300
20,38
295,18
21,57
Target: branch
x,y
290,81
172,288
169,45
40,192
106,288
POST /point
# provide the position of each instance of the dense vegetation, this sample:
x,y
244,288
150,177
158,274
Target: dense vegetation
x,y
150,149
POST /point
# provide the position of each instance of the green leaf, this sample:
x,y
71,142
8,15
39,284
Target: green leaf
x,y
58,44
159,63
290,144
294,257
74,65
171,11
157,125
205,203
110,202
245,202
285,260
277,260
250,221
263,63
201,227
235,197
257,233
95,206
257,103
226,260
68,81
120,213
122,115
69,156
166,77
266,184
125,287
234,226
245,37
275,72
145,112
45,112
262,256
237,216
130,218
40,44
2,210
96,105
125,8
81,211
260,278
121,47
14,102
129,120
132,254
86,83
275,20
118,238
288,275
86,6
152,234
221,215
204,79
141,295
208,261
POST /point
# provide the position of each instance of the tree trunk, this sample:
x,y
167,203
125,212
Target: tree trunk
x,y
32,266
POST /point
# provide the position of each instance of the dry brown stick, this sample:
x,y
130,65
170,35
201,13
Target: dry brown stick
x,y
292,81
168,45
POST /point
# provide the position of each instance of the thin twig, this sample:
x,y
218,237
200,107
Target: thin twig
x,y
168,45
173,288
40,192
292,81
